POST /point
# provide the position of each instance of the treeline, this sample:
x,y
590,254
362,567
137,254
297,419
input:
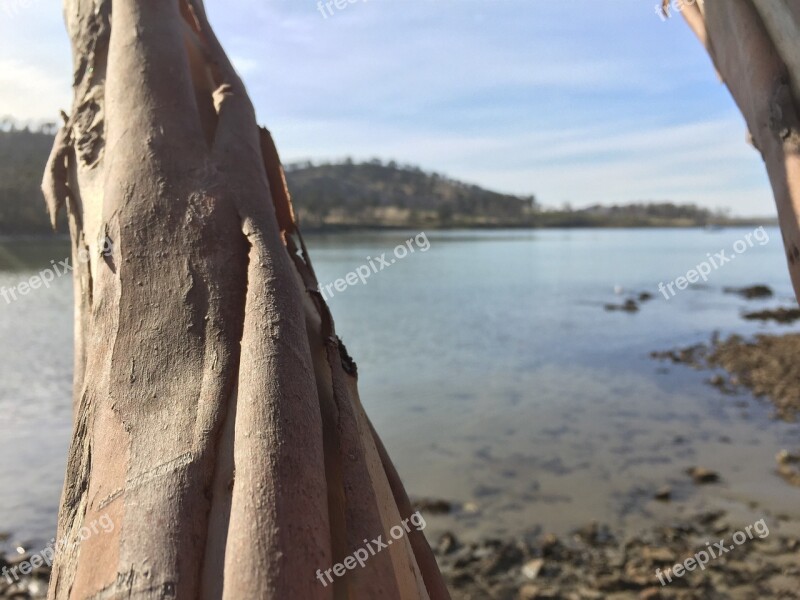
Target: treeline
x,y
23,154
641,214
348,194
351,194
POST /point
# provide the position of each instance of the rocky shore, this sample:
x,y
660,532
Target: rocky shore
x,y
767,366
32,585
594,564
599,561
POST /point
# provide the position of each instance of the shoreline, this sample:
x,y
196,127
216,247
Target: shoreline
x,y
618,559
511,226
745,551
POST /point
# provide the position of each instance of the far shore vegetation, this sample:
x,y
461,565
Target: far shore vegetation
x,y
360,195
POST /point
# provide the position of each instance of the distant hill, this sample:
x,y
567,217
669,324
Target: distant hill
x,y
23,155
347,195
376,194
369,194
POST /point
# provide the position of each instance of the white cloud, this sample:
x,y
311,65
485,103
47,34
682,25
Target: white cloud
x,y
705,162
570,101
30,91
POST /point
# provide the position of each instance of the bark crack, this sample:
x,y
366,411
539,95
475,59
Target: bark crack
x,y
783,118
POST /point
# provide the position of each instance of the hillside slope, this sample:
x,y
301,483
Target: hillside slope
x,y
23,155
347,195
376,194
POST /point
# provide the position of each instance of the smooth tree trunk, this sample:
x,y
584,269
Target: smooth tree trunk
x,y
755,47
217,417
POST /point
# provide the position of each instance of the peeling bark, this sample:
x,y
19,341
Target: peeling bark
x,y
754,46
217,418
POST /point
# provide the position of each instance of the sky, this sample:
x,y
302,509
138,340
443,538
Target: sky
x,y
574,101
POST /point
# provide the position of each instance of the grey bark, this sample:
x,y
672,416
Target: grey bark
x,y
754,47
217,417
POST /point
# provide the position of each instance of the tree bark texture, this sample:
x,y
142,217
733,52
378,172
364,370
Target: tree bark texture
x,y
755,47
217,416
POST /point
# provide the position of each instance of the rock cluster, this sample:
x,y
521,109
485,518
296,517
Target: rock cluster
x,y
593,564
766,365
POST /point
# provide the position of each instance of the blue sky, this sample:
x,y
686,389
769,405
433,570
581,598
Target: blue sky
x,y
575,101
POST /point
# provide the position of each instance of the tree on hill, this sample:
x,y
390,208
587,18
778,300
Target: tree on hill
x,y
362,191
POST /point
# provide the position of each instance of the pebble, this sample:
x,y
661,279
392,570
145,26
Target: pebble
x,y
701,475
580,568
663,494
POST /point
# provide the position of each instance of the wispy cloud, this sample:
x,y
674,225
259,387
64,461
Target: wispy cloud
x,y
705,162
570,100
31,91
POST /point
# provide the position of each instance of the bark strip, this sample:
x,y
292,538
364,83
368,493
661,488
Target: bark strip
x,y
754,47
216,421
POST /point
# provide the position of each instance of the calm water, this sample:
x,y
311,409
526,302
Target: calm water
x,y
491,369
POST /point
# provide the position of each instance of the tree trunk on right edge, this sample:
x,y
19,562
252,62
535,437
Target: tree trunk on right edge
x,y
755,47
